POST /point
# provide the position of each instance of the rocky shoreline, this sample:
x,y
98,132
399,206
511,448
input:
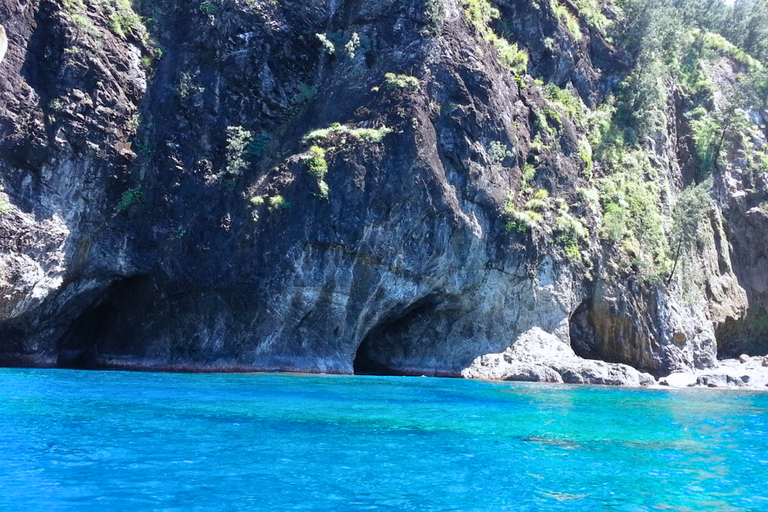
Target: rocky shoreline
x,y
537,356
744,373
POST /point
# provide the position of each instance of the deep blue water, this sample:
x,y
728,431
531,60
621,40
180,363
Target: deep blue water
x,y
73,440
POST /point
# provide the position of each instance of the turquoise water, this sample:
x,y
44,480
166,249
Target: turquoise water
x,y
72,440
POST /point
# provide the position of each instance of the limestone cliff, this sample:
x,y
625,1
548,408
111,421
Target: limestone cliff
x,y
327,186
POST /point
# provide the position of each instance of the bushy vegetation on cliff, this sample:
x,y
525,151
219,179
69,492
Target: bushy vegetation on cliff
x,y
709,59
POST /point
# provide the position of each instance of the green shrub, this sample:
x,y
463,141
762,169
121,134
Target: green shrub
x,y
351,47
318,167
599,122
688,214
521,221
570,233
633,220
324,133
316,163
725,47
259,144
564,15
585,153
129,198
758,161
588,196
324,190
510,55
278,202
393,81
208,7
499,152
527,177
536,204
306,93
615,222
591,10
543,129
85,23
435,11
480,14
187,87
122,19
238,140
706,134
567,102
370,135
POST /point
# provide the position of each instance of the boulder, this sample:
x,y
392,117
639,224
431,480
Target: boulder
x,y
679,380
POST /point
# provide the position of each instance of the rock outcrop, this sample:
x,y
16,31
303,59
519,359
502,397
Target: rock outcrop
x,y
537,356
332,186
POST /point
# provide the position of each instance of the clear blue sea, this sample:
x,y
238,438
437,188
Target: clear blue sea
x,y
75,440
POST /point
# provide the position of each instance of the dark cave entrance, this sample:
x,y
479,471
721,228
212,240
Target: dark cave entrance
x,y
364,364
396,339
112,319
748,335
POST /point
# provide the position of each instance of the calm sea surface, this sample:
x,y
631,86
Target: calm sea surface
x,y
72,440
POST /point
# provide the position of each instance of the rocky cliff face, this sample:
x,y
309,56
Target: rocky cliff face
x,y
378,186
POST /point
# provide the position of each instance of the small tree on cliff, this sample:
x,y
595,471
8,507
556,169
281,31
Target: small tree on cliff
x,y
687,215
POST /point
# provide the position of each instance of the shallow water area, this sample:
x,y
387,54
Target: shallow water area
x,y
74,440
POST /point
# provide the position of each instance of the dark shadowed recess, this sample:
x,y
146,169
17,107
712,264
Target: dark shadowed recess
x,y
748,335
395,339
364,365
96,326
582,334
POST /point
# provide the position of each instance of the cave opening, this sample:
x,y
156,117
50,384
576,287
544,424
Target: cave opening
x,y
395,339
111,316
747,335
365,364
